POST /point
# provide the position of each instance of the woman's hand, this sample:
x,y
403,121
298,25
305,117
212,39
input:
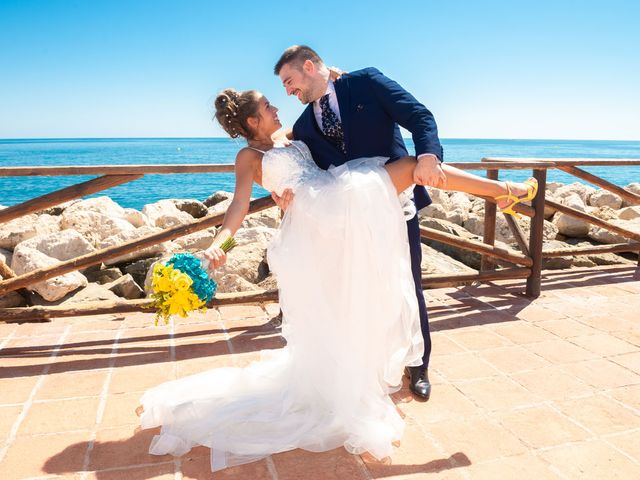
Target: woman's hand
x,y
216,257
285,200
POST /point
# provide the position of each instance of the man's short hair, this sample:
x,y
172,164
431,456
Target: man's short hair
x,y
297,55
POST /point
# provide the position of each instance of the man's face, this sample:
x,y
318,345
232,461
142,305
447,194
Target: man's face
x,y
297,80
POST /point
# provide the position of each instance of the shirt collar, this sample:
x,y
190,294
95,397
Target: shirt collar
x,y
331,90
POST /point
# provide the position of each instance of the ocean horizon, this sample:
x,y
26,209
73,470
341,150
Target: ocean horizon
x,y
200,150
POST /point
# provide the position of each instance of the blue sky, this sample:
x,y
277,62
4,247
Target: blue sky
x,y
490,69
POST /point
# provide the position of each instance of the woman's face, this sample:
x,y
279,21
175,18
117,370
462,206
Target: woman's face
x,y
268,114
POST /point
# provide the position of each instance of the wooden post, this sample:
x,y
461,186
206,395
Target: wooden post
x,y
489,225
536,235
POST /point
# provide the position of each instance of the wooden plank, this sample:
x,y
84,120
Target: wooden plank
x,y
453,280
594,179
594,220
536,235
510,256
517,232
116,251
592,250
570,161
64,194
5,270
489,236
62,170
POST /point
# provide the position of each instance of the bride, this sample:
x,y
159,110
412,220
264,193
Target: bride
x,y
350,315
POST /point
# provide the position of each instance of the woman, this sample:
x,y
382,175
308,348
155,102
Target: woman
x,y
341,257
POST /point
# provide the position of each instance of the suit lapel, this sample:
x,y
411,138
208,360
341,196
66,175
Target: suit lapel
x,y
342,93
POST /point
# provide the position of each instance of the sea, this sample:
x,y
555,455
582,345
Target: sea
x,y
151,188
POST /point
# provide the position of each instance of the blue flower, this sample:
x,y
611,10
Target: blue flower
x,y
203,286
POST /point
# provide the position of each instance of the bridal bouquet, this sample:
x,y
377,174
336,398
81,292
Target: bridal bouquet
x,y
182,285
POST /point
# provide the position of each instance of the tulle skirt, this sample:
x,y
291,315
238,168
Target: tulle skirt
x,y
351,323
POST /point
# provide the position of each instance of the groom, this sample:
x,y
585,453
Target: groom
x,y
358,115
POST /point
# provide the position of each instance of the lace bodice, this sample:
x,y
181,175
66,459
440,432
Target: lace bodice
x,y
288,167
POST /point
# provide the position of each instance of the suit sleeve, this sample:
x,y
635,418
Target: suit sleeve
x,y
405,110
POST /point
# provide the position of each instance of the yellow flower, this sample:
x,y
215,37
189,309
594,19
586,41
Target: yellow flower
x,y
182,282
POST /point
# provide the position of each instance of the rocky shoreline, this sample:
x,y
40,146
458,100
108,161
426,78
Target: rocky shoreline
x,y
83,226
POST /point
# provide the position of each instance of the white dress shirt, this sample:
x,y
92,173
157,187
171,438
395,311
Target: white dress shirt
x,y
333,103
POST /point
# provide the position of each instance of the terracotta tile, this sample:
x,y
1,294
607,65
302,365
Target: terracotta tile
x,y
477,339
6,329
112,323
142,354
254,343
120,410
139,378
628,442
8,416
497,393
602,373
39,328
231,312
60,416
199,467
41,347
462,366
76,384
566,327
541,426
520,332
272,309
442,345
537,313
629,360
629,395
201,349
592,459
610,322
521,467
54,454
185,368
469,437
16,390
600,414
335,464
560,351
552,383
120,447
604,344
156,472
513,359
446,402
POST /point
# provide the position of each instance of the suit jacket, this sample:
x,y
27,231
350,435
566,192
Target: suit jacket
x,y
372,107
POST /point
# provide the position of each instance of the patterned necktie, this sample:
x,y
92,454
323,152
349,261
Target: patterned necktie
x,y
331,125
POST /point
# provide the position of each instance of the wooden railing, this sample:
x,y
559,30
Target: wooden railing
x,y
526,263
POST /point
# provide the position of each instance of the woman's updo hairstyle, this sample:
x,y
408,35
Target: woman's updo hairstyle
x,y
234,108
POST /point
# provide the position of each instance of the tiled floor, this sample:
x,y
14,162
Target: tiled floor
x,y
542,389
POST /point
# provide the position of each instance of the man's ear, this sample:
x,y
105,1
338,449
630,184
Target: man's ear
x,y
309,67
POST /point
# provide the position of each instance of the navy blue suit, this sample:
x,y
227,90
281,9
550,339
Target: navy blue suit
x,y
372,107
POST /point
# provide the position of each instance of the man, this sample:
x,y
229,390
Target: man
x,y
357,115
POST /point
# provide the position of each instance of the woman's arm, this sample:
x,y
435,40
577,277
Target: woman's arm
x,y
245,168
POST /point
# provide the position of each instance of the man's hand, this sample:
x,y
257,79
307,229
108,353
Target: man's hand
x,y
429,172
216,257
285,200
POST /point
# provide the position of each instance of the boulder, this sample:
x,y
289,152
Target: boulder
x,y
602,235
140,268
435,210
220,207
6,256
23,228
461,201
91,293
269,283
437,263
457,216
136,218
232,282
62,245
604,213
266,218
475,225
441,197
633,188
605,198
577,188
103,275
217,197
58,209
104,205
123,237
555,263
94,226
12,299
200,240
125,287
191,206
629,213
248,258
165,214
568,225
595,259
27,259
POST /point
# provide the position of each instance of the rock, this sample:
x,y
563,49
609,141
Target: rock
x,y
441,197
91,293
457,216
595,259
94,226
58,209
568,225
165,214
629,213
136,218
6,256
580,189
461,201
602,235
217,197
555,263
27,259
12,299
125,287
247,259
139,269
435,210
220,207
103,205
123,237
604,213
552,187
266,218
103,275
200,240
633,188
191,206
269,283
475,225
605,198
232,282
20,229
62,245
437,263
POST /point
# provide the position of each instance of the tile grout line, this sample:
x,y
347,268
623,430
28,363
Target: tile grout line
x,y
102,404
177,462
10,337
29,401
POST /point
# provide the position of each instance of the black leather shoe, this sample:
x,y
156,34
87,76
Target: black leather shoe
x,y
419,381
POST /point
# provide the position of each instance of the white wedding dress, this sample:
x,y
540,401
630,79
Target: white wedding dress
x,y
341,257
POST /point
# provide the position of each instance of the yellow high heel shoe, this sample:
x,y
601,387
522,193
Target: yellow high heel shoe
x,y
532,191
